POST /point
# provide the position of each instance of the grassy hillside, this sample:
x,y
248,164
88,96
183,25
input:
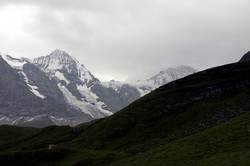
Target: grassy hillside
x,y
18,139
198,120
178,109
10,135
226,144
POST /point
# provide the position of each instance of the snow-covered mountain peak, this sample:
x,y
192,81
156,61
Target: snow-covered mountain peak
x,y
63,56
57,60
58,52
60,63
170,74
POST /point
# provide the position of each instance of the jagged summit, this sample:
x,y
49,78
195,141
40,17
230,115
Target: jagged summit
x,y
61,61
62,55
56,60
59,52
246,57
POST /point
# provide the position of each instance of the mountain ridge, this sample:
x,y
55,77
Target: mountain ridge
x,y
61,79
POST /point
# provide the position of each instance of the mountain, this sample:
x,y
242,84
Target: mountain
x,y
60,63
27,94
164,77
201,119
63,90
118,95
74,81
171,74
58,90
83,90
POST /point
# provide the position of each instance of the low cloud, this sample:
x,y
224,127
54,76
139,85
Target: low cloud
x,y
126,39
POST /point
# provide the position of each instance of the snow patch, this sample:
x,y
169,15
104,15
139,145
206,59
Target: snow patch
x,y
84,73
61,121
85,107
61,77
33,89
29,119
14,63
16,120
92,98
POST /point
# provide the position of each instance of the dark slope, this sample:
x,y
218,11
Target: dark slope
x,y
10,135
246,57
180,108
227,144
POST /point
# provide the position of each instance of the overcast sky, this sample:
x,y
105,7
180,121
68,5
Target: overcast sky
x,y
124,39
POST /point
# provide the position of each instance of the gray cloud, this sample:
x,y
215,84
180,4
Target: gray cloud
x,y
134,39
